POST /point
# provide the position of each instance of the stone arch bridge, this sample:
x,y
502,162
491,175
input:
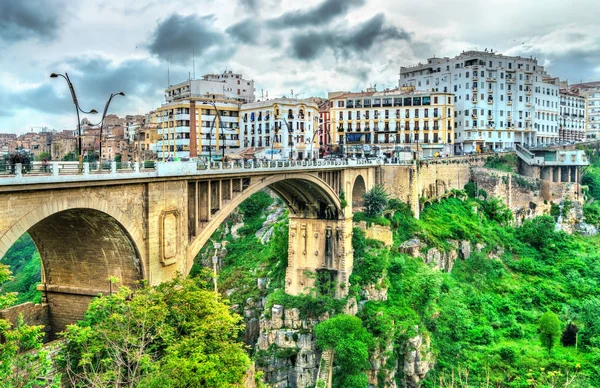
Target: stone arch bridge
x,y
136,224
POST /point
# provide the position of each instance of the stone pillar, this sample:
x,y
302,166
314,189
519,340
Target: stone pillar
x,y
573,173
193,137
318,245
555,175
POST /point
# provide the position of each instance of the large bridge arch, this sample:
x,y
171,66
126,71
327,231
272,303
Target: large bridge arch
x,y
305,195
82,243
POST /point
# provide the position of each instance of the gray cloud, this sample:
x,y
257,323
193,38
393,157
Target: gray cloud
x,y
25,19
318,15
177,36
250,5
247,31
309,45
94,79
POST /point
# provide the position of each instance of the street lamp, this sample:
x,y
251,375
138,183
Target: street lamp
x,y
112,95
77,110
276,130
217,115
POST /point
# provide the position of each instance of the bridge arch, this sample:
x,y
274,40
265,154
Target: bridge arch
x,y
82,243
359,188
306,196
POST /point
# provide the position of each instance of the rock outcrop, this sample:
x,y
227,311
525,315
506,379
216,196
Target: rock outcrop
x,y
418,360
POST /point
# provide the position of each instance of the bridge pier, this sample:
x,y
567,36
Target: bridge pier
x,y
317,245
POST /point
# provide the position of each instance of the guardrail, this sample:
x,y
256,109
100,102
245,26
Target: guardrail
x,y
56,172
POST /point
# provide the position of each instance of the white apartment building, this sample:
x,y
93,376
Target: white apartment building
x,y
499,100
572,116
591,92
286,127
229,86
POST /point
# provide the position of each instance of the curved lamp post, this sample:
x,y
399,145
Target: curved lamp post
x,y
217,116
77,110
112,95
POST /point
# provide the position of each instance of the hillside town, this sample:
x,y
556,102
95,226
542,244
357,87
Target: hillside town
x,y
478,101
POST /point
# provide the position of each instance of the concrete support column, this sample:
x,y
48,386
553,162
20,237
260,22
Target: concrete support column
x,y
55,169
318,245
555,175
564,174
86,168
18,170
113,167
573,173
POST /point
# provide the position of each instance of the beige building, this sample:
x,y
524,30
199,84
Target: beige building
x,y
591,92
286,128
386,122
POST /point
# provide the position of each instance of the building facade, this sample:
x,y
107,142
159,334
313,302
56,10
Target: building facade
x,y
286,127
227,86
391,121
499,100
591,92
572,116
215,130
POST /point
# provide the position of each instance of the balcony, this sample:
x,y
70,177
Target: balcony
x,y
490,118
474,116
490,91
510,80
528,104
475,100
490,101
491,79
528,82
509,92
509,103
475,90
528,93
475,78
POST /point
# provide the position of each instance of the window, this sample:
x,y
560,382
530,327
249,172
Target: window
x,y
435,100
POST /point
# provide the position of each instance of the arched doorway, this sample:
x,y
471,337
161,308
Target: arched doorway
x,y
358,190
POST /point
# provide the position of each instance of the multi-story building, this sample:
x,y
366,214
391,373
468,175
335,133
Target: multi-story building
x,y
287,126
499,100
572,116
182,120
389,121
5,139
591,92
226,86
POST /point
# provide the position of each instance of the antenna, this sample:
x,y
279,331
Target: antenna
x,y
292,93
194,63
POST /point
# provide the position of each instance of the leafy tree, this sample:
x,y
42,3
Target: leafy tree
x,y
350,342
176,334
538,232
42,156
591,178
70,157
549,330
118,158
376,201
23,362
256,204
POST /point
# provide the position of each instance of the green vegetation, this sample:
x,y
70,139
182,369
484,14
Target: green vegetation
x,y
506,162
24,262
351,343
376,201
176,334
23,362
549,330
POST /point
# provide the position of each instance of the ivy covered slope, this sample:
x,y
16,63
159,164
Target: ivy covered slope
x,y
484,318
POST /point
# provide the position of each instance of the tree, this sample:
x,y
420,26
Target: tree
x,y
118,158
376,201
23,362
350,342
549,330
176,334
42,156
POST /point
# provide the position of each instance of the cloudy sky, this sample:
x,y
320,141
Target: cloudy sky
x,y
310,46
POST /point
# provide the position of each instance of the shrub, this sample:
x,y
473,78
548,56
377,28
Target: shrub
x,y
376,201
549,330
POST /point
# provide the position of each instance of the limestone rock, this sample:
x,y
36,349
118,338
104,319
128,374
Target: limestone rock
x,y
418,360
411,247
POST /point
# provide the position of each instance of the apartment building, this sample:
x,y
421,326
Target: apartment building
x,y
226,86
286,127
499,100
572,116
385,122
215,130
591,92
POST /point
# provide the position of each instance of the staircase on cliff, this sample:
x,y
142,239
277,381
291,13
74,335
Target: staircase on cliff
x,y
325,374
